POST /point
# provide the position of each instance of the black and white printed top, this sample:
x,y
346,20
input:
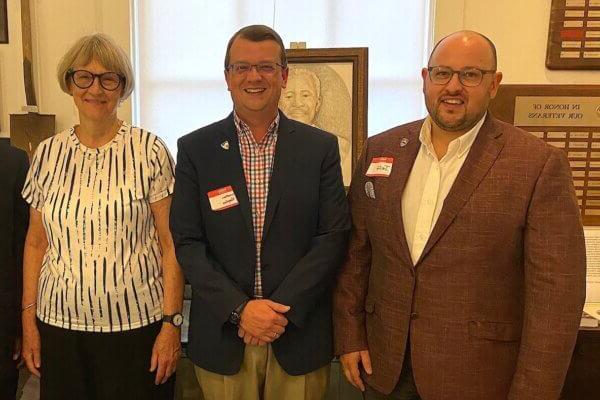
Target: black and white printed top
x,y
102,268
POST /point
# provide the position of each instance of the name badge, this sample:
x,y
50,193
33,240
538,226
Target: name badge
x,y
380,166
222,199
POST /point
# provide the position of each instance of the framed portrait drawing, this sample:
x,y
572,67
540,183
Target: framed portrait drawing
x,y
327,88
3,22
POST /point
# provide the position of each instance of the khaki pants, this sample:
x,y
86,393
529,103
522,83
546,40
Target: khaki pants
x,y
262,378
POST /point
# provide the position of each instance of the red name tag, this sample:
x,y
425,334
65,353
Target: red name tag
x,y
380,166
222,199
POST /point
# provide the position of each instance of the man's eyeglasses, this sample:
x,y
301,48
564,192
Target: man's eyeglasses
x,y
441,75
84,79
264,68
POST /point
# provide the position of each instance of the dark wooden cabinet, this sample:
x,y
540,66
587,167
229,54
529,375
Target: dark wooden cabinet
x,y
583,379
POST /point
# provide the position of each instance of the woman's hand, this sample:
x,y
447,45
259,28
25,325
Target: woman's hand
x,y
165,353
31,345
167,346
36,244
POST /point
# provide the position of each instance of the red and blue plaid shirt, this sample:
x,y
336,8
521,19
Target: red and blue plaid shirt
x,y
257,159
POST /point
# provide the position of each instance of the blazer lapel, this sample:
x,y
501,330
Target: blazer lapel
x,y
483,154
283,163
233,170
404,149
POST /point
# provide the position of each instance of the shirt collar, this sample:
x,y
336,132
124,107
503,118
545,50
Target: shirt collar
x,y
464,142
244,130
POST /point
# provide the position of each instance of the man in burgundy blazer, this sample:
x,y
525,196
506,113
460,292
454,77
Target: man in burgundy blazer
x,y
488,305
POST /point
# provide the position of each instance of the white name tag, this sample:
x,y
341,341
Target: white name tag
x,y
222,199
380,166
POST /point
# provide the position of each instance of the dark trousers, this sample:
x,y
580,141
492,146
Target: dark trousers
x,y
9,375
405,388
100,366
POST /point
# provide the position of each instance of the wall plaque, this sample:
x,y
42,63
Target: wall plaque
x,y
567,117
574,35
557,111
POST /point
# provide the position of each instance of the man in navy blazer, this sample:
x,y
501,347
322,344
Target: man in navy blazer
x,y
14,218
260,224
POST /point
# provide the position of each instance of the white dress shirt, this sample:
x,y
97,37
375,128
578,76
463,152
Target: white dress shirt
x,y
428,185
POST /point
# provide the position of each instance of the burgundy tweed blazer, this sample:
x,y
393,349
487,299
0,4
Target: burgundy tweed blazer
x,y
493,304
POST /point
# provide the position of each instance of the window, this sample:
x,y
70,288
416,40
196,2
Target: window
x,y
181,46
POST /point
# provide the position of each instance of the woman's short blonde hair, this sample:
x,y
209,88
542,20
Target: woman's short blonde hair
x,y
104,50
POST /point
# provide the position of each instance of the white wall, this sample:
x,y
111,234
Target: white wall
x,y
56,24
519,28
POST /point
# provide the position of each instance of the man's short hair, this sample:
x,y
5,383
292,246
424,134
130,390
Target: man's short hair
x,y
257,33
489,42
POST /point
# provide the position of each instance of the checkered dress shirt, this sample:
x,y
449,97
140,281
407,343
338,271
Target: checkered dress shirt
x,y
257,159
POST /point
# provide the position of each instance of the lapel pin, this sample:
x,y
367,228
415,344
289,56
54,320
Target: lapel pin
x,y
369,190
403,142
225,145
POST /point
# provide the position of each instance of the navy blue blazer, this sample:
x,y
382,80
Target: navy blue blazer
x,y
304,242
14,218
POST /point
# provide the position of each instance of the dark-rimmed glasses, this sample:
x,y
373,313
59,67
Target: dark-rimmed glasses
x,y
264,68
84,79
470,76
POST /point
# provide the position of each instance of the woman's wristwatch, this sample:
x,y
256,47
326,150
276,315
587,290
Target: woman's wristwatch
x,y
174,319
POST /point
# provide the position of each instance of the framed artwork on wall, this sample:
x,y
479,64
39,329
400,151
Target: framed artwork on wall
x,y
3,22
327,88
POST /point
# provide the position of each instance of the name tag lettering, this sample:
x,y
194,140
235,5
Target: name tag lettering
x,y
222,199
380,166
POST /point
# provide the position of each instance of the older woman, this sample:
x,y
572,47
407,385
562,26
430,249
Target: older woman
x,y
100,272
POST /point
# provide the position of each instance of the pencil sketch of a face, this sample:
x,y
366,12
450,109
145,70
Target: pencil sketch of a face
x,y
317,95
301,98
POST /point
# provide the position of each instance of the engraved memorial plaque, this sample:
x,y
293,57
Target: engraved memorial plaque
x,y
573,36
566,117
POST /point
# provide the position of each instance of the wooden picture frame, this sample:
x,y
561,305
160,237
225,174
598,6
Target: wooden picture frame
x,y
3,22
327,88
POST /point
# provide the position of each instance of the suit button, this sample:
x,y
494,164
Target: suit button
x,y
414,315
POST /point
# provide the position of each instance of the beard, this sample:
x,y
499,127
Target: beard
x,y
464,122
